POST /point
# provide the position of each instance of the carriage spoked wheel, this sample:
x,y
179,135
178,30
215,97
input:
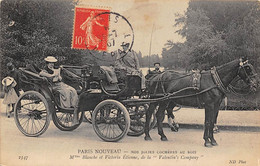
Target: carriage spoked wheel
x,y
31,114
106,119
137,120
138,117
62,119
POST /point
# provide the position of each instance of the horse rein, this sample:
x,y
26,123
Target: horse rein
x,y
220,84
216,78
161,74
249,77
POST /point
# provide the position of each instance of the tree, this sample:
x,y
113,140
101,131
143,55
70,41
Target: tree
x,y
202,43
31,30
148,61
174,57
217,32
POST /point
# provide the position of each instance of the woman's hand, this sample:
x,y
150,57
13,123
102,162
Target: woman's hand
x,y
57,76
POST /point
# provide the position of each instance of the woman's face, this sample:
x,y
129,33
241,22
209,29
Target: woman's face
x,y
50,65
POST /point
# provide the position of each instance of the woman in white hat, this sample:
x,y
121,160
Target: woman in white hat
x,y
10,97
68,95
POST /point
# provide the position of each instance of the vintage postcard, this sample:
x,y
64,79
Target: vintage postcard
x,y
134,82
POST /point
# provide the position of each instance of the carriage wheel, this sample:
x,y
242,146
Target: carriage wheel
x,y
88,116
137,123
31,114
138,118
63,120
106,119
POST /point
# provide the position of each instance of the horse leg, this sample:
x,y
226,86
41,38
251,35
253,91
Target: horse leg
x,y
208,112
160,114
214,118
217,106
171,117
215,129
148,114
211,137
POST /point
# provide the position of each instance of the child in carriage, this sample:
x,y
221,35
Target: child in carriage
x,y
10,96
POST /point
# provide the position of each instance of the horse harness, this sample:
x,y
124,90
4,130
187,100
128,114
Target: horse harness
x,y
230,88
196,78
195,85
218,81
159,81
195,81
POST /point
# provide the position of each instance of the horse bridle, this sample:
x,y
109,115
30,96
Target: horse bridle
x,y
242,66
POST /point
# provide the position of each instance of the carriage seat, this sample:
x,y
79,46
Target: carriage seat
x,y
33,68
98,73
30,73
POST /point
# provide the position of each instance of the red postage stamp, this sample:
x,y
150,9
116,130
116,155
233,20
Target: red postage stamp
x,y
90,29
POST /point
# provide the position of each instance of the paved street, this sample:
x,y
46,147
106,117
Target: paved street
x,y
72,148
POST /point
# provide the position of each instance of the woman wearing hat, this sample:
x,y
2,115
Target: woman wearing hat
x,y
10,97
68,95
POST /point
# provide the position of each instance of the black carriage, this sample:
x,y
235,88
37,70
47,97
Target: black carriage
x,y
110,118
115,111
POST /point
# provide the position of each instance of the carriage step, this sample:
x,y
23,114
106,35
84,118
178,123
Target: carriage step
x,y
94,91
113,91
67,109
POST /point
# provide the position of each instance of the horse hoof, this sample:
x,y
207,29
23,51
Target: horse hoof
x,y
174,129
214,143
147,138
215,129
164,139
207,144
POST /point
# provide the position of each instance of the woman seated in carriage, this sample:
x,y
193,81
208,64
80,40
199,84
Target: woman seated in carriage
x,y
68,95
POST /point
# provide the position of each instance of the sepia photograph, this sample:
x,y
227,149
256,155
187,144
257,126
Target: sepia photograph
x,y
133,82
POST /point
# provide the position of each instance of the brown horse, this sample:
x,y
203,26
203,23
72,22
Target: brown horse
x,y
177,89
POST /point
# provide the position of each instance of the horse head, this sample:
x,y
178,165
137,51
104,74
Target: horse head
x,y
248,74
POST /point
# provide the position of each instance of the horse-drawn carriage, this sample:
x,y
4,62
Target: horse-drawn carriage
x,y
117,111
111,119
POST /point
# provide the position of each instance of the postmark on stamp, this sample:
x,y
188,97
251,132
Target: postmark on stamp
x,y
101,30
120,33
90,32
